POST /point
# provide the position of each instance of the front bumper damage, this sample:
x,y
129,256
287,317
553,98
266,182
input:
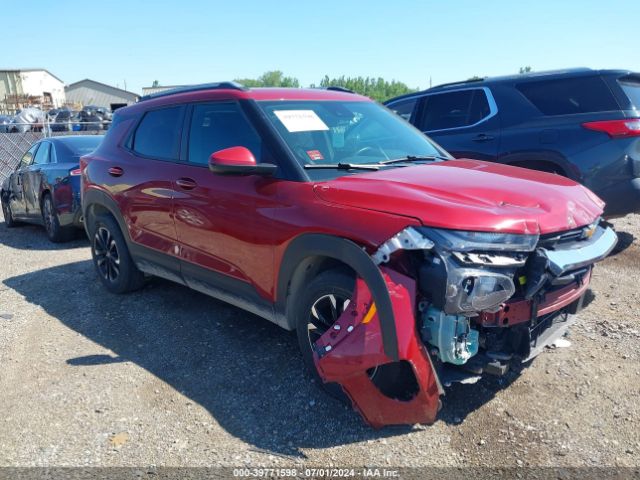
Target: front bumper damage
x,y
352,350
398,379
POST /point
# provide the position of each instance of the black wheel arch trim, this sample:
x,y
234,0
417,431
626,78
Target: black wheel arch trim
x,y
518,159
97,197
349,253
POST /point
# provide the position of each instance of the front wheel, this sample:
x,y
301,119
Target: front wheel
x,y
111,257
324,299
8,215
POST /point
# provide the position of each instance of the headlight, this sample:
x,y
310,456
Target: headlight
x,y
472,272
461,241
471,290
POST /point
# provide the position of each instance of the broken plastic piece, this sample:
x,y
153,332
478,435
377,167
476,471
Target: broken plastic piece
x,y
561,343
383,391
407,239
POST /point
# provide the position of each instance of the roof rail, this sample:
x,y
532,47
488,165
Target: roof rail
x,y
196,88
339,89
462,82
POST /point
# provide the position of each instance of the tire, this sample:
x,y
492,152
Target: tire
x,y
9,221
338,284
111,257
51,222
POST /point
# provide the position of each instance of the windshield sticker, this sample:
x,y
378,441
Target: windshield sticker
x,y
315,155
301,120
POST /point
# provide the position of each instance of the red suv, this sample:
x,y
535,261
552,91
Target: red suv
x,y
401,269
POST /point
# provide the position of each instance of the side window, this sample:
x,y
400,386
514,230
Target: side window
x,y
42,156
454,110
159,133
27,158
404,108
567,96
217,126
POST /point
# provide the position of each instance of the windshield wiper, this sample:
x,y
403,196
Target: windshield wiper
x,y
344,166
413,158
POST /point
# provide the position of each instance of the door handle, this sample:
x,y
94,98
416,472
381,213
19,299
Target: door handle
x,y
115,171
186,183
482,137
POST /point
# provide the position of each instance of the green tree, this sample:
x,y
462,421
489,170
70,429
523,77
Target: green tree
x,y
526,69
376,88
272,78
155,83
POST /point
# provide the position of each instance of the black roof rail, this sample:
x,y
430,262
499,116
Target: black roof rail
x,y
462,82
196,88
337,88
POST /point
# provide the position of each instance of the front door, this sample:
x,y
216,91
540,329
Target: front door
x,y
32,180
465,122
223,222
17,194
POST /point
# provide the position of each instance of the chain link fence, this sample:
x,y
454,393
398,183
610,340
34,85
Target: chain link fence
x,y
14,145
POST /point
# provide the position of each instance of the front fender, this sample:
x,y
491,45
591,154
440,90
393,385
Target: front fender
x,y
349,253
347,354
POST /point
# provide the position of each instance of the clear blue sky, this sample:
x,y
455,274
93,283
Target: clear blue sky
x,y
187,41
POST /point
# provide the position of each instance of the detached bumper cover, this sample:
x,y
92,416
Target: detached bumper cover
x,y
595,249
345,354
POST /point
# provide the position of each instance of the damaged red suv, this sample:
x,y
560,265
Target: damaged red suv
x,y
401,269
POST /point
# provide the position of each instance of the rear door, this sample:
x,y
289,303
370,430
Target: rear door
x,y
464,121
142,183
17,195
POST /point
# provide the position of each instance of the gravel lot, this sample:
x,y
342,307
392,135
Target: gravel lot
x,y
169,377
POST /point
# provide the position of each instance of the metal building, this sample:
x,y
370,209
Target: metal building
x,y
20,88
159,88
89,92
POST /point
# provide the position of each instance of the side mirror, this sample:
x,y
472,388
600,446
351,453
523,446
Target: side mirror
x,y
238,161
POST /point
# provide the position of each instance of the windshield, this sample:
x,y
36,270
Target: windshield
x,y
337,132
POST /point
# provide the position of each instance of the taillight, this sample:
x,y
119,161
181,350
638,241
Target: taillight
x,y
616,128
75,172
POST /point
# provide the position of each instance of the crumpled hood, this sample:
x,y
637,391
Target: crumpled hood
x,y
470,195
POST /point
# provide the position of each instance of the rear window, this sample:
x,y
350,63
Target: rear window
x,y
72,148
631,87
84,145
158,135
568,96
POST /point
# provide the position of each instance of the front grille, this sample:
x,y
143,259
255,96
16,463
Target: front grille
x,y
552,240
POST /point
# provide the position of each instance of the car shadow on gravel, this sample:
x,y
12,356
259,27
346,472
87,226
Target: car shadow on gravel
x,y
625,240
33,237
244,370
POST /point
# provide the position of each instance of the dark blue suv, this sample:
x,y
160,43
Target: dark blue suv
x,y
580,123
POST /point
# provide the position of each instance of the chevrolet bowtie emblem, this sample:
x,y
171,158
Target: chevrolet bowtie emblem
x,y
589,231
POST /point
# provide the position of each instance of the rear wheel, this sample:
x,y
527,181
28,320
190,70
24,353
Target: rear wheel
x,y
324,299
111,257
55,232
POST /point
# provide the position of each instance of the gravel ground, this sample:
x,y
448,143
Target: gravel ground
x,y
169,377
